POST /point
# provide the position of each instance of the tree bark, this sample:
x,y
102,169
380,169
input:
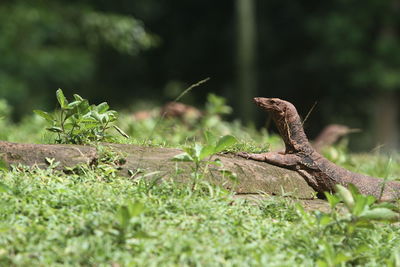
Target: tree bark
x,y
246,58
387,121
252,176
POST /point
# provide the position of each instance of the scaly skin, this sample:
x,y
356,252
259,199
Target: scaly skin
x,y
321,174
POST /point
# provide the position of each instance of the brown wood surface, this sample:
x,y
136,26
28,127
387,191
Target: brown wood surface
x,y
253,176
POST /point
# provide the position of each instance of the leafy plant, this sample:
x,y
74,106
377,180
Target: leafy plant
x,y
362,209
199,153
127,217
5,110
78,122
360,212
341,233
215,107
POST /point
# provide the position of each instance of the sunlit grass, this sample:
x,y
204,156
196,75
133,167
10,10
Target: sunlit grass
x,y
49,218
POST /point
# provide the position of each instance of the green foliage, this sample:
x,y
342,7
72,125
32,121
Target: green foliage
x,y
216,105
47,44
78,122
374,65
5,110
215,108
123,33
5,119
342,231
362,210
199,153
361,213
128,222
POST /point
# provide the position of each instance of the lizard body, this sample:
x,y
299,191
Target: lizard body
x,y
321,174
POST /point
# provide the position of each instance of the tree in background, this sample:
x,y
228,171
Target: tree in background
x,y
246,59
360,41
49,44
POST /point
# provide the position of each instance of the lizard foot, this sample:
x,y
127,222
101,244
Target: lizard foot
x,y
275,158
257,157
243,155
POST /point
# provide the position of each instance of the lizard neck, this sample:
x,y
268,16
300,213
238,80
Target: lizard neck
x,y
291,130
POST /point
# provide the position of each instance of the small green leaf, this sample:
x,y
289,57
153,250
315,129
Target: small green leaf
x,y
96,116
78,97
113,115
83,107
86,119
73,104
224,143
183,157
141,234
104,118
380,214
197,151
353,189
48,117
341,258
190,151
387,205
55,129
210,138
3,165
361,204
321,263
71,112
102,107
346,196
91,125
123,216
325,219
206,152
4,188
332,199
61,99
370,200
136,208
69,125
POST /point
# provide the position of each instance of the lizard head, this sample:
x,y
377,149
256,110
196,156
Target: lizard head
x,y
288,122
273,105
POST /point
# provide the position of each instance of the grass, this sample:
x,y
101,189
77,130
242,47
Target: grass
x,y
96,218
49,218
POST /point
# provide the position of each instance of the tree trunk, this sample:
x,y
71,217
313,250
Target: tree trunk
x,y
388,109
387,121
246,54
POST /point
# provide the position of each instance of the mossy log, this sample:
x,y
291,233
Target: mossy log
x,y
252,176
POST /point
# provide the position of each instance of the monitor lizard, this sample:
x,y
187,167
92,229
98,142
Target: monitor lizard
x,y
321,174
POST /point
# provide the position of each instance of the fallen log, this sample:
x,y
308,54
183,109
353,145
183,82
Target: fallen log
x,y
252,176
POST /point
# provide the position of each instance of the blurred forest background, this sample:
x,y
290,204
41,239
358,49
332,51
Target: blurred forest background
x,y
343,55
